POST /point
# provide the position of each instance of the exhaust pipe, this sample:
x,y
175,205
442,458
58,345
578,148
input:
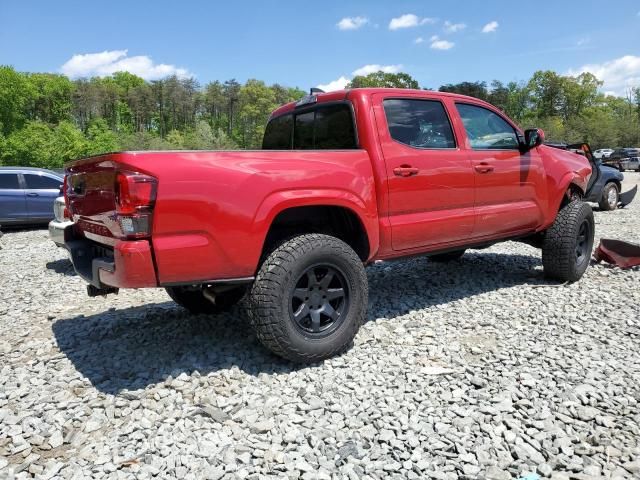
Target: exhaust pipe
x,y
93,291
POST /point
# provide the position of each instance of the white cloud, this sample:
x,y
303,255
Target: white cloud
x,y
618,74
338,84
341,83
367,69
437,44
352,23
490,27
111,61
408,20
418,40
453,27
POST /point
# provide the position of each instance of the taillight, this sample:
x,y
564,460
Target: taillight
x,y
65,193
135,195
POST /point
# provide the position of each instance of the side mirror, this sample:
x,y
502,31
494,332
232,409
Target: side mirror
x,y
533,137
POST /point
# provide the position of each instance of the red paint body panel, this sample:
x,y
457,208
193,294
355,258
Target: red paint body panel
x,y
133,266
213,209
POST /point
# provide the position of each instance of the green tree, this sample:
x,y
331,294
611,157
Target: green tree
x,y
68,143
257,101
101,138
32,145
16,94
471,89
52,102
382,79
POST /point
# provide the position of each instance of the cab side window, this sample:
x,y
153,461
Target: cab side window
x,y
487,130
419,123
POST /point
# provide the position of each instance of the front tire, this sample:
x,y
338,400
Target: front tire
x,y
610,197
567,245
309,298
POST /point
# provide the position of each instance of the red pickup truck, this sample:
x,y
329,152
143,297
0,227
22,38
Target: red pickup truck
x,y
343,179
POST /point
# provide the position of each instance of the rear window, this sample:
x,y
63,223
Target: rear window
x,y
328,127
9,181
277,135
419,123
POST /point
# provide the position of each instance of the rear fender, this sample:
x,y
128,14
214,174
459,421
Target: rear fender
x,y
277,202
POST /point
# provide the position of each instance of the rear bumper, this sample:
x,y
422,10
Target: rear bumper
x,y
56,231
128,264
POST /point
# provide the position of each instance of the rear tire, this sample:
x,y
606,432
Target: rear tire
x,y
610,197
192,298
447,257
567,245
309,298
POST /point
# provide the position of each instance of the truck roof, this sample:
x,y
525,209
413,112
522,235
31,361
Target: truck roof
x,y
348,94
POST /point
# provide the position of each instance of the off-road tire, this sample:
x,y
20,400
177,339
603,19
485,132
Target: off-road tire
x,y
271,295
193,299
604,200
561,242
448,256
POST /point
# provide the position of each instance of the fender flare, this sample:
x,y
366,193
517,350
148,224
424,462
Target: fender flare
x,y
569,179
277,202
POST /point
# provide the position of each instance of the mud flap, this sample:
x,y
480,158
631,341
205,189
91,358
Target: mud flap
x,y
627,197
619,253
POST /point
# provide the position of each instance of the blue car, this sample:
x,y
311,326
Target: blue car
x,y
27,195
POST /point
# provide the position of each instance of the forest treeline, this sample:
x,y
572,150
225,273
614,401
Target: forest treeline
x,y
47,119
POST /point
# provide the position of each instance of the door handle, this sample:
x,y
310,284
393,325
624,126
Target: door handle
x,y
405,171
32,194
483,167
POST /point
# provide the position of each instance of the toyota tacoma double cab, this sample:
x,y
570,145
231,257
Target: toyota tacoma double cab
x,y
343,179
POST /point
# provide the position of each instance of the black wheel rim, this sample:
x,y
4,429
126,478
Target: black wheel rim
x,y
319,301
583,240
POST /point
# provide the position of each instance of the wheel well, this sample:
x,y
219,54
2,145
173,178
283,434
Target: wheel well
x,y
616,182
573,193
336,221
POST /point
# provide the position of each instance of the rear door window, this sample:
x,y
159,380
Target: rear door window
x,y
419,123
9,181
41,182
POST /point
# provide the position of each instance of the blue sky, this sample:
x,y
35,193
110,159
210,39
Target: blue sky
x,y
302,44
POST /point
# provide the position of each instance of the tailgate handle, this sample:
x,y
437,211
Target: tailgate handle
x,y
32,194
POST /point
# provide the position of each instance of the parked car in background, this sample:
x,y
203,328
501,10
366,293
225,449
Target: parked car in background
x,y
631,163
619,155
60,222
27,195
603,153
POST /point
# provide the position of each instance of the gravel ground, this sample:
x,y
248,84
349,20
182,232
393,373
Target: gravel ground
x,y
475,369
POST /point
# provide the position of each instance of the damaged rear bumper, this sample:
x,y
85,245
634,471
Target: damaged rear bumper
x,y
126,264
